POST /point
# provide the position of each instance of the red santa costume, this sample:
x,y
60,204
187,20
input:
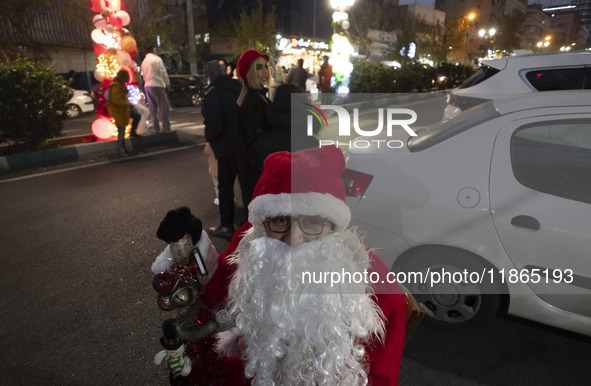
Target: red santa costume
x,y
293,322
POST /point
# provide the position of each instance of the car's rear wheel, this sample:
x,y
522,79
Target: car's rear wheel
x,y
72,111
450,302
196,99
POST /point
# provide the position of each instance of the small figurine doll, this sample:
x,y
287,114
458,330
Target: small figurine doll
x,y
173,354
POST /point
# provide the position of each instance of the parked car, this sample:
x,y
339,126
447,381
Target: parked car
x,y
498,78
502,192
186,91
81,102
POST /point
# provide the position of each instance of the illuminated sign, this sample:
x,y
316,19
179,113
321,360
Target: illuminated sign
x,y
307,43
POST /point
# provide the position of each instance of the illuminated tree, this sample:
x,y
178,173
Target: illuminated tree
x,y
509,35
255,29
432,44
365,16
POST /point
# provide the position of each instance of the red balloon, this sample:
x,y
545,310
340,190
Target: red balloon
x,y
95,5
116,22
100,49
102,110
134,54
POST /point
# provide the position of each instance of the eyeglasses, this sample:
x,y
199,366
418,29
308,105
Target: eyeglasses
x,y
310,225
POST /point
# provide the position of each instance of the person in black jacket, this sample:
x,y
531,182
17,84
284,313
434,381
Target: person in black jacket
x,y
220,113
281,136
253,117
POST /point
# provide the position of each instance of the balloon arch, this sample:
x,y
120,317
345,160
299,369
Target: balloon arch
x,y
116,49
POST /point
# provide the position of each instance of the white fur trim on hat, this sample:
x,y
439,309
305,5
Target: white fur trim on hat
x,y
165,261
293,204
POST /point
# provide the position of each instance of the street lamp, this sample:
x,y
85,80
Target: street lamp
x,y
489,37
341,51
544,44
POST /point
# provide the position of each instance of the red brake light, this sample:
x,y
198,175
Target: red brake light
x,y
356,183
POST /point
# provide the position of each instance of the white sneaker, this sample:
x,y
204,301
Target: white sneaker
x,y
216,201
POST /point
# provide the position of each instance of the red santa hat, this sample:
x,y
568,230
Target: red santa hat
x,y
246,60
307,182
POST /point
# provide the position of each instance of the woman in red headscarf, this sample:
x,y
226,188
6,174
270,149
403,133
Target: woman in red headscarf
x,y
253,116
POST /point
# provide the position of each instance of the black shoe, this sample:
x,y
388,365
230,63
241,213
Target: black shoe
x,y
123,153
223,232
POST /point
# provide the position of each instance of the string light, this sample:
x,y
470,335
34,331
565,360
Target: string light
x,y
134,96
108,65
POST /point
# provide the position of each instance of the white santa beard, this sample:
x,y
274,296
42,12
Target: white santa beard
x,y
302,333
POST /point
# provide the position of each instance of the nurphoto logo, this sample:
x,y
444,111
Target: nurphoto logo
x,y
387,118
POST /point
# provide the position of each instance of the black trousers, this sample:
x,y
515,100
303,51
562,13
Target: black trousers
x,y
135,116
227,171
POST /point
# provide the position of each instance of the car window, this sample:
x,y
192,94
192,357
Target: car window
x,y
558,79
554,158
175,82
447,128
483,74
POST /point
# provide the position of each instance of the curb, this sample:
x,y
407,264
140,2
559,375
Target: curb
x,y
89,151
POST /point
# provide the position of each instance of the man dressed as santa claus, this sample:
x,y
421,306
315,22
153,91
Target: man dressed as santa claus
x,y
292,286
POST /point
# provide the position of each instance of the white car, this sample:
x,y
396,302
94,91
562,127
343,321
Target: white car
x,y
499,197
499,78
81,102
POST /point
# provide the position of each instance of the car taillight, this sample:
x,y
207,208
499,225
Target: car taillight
x,y
356,183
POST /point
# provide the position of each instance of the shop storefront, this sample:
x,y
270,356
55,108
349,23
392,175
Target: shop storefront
x,y
311,51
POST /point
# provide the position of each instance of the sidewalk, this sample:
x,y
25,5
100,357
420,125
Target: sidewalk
x,y
94,150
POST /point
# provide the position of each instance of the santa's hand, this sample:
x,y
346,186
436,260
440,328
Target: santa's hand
x,y
177,224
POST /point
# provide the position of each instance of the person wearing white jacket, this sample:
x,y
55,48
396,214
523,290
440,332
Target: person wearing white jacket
x,y
156,85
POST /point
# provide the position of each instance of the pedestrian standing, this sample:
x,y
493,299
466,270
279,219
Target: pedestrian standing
x,y
220,113
212,168
325,75
278,75
253,117
298,75
156,85
120,108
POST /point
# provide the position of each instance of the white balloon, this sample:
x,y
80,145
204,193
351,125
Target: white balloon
x,y
123,58
99,76
97,36
124,16
99,21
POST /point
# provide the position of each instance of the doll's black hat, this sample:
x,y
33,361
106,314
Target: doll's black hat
x,y
170,340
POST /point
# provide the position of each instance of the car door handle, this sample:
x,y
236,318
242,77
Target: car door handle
x,y
526,222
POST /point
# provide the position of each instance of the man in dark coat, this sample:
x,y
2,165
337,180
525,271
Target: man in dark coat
x,y
219,111
298,76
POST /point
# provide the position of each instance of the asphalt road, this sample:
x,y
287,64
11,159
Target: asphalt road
x,y
79,309
77,301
